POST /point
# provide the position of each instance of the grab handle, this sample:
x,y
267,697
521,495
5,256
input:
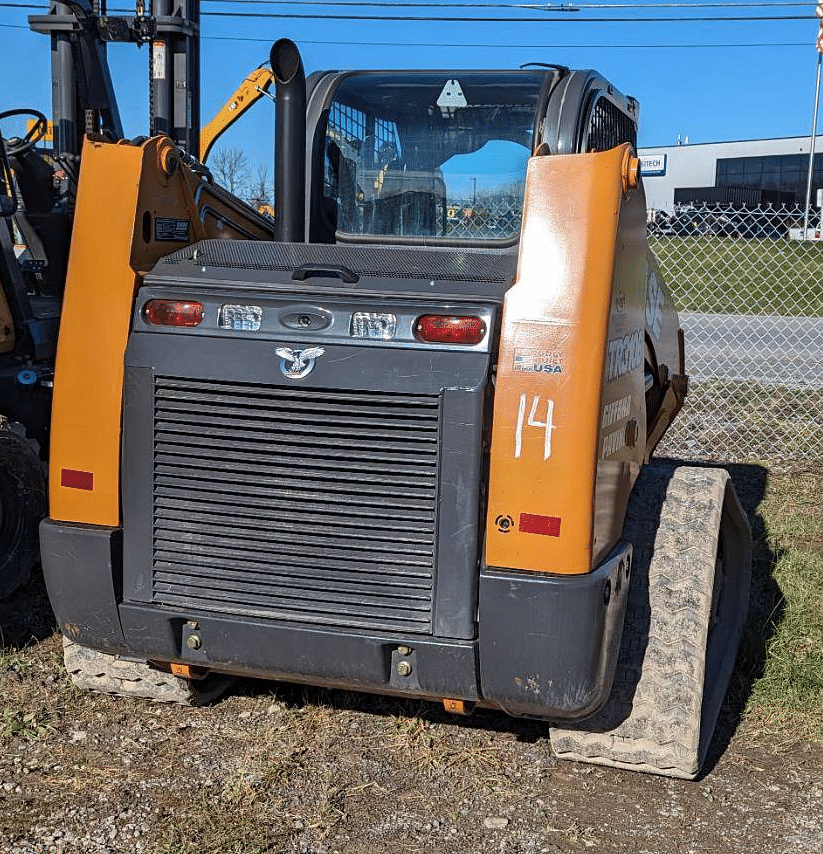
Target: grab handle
x,y
343,273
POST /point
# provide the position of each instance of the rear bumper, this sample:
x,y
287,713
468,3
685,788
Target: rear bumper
x,y
547,645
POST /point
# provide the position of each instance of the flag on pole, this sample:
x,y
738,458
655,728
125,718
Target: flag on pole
x,y
819,12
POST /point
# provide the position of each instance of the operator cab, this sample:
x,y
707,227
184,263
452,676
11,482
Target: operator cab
x,y
440,157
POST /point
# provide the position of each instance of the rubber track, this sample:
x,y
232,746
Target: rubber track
x,y
109,674
664,705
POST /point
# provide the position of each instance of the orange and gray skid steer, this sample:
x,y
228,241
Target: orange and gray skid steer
x,y
405,446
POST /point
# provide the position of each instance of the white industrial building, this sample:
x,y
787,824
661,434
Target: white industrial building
x,y
750,172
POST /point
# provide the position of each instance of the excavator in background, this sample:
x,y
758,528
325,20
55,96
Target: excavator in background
x,y
38,192
385,448
247,94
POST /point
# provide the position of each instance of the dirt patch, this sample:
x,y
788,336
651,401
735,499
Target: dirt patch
x,y
282,768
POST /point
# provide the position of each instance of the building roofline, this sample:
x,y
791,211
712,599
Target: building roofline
x,y
728,142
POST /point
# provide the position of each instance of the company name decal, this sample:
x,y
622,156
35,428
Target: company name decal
x,y
624,354
653,164
616,411
621,438
613,442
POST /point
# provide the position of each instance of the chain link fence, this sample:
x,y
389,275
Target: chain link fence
x,y
493,217
748,283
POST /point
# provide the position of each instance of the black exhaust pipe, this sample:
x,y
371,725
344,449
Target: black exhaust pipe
x,y
289,141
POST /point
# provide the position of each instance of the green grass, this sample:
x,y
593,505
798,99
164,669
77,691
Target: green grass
x,y
740,276
783,648
15,723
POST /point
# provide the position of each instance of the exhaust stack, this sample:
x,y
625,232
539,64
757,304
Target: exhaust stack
x,y
290,141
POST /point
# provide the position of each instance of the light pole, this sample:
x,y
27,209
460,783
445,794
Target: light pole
x,y
819,12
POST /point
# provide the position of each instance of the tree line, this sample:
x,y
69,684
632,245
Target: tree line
x,y
232,170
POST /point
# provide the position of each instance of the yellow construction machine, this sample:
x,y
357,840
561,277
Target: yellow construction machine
x,y
38,188
255,86
386,448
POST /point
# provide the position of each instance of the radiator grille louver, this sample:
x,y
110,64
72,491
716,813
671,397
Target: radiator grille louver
x,y
300,504
609,127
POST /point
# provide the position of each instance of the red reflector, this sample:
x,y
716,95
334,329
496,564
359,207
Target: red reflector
x,y
440,329
77,479
169,312
530,523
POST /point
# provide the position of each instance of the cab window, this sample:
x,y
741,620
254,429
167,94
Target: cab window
x,y
429,154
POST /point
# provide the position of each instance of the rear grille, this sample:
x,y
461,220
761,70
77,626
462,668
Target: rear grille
x,y
301,504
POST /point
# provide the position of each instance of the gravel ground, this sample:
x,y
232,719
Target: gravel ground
x,y
282,768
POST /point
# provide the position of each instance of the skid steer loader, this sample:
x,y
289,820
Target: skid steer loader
x,y
405,446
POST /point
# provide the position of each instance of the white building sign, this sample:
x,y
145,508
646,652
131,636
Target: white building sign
x,y
652,164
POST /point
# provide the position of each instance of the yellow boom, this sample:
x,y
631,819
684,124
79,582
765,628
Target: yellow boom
x,y
247,93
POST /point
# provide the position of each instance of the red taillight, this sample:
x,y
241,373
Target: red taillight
x,y
440,329
170,312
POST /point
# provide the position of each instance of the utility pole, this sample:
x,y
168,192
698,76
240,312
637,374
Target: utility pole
x,y
819,12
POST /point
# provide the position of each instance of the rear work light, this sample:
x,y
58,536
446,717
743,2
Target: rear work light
x,y
444,329
170,312
243,318
379,326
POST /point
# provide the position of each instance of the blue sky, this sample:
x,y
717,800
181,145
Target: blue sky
x,y
759,81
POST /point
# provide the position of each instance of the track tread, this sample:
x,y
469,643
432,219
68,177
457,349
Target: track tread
x,y
109,674
660,715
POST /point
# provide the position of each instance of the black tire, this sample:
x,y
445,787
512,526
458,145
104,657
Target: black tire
x,y
688,599
110,674
22,506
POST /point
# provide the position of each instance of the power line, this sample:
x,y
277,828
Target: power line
x,y
663,5
475,19
537,7
622,45
511,20
576,45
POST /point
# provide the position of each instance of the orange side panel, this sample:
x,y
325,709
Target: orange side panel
x,y
93,331
550,371
124,193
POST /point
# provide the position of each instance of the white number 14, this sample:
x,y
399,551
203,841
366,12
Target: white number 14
x,y
531,421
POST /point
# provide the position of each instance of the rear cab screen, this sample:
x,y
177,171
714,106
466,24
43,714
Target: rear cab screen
x,y
427,155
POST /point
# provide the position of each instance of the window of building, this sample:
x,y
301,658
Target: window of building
x,y
783,172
